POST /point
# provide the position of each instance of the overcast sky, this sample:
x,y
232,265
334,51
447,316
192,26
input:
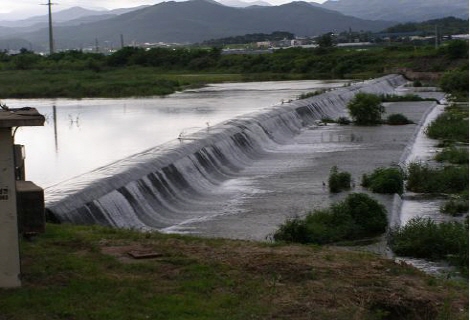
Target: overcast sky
x,y
33,7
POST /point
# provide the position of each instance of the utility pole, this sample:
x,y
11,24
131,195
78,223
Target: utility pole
x,y
51,36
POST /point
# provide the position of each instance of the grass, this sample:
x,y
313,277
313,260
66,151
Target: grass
x,y
357,217
423,178
450,126
114,83
424,238
397,119
111,83
453,155
384,180
74,272
338,180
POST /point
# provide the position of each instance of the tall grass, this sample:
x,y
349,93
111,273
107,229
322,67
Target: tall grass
x,y
358,216
339,180
399,98
384,180
424,238
451,125
397,119
453,155
424,179
111,83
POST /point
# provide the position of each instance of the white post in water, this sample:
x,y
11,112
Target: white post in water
x,y
9,244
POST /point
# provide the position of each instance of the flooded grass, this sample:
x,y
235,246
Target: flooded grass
x,y
424,238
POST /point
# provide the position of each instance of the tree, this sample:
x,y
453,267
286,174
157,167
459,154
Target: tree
x,y
325,41
455,81
366,109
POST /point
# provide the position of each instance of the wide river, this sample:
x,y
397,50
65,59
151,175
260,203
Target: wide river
x,y
81,135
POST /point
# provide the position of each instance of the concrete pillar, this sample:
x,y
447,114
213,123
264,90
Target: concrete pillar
x,y
9,245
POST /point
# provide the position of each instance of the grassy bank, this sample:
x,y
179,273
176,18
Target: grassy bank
x,y
114,83
108,84
159,71
76,272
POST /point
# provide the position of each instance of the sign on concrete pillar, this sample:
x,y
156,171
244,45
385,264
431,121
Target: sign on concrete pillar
x,y
9,245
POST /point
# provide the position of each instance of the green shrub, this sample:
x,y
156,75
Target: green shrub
x,y
398,119
424,179
339,181
310,94
453,155
398,98
384,180
343,120
366,109
327,120
424,238
369,216
356,217
293,230
455,81
451,125
455,207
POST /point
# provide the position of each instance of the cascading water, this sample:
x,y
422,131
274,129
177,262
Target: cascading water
x,y
165,185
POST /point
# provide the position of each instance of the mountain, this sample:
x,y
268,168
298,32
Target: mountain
x,y
400,10
243,4
72,14
197,20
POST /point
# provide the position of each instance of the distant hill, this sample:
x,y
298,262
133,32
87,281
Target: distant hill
x,y
243,4
198,20
400,10
64,16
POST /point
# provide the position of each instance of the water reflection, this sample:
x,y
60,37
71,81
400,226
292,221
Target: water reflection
x,y
81,135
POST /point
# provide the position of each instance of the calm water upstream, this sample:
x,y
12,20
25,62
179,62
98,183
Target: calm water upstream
x,y
89,133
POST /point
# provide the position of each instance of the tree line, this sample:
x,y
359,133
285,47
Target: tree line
x,y
321,62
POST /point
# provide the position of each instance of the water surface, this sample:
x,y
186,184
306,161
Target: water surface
x,y
81,135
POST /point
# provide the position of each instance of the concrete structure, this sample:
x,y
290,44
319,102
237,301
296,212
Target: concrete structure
x,y
9,246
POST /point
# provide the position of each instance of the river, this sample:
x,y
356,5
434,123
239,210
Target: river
x,y
82,135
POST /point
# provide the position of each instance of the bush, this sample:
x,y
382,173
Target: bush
x,y
451,125
366,109
356,217
384,180
368,215
343,121
424,238
293,230
398,119
339,181
422,178
455,207
453,155
399,98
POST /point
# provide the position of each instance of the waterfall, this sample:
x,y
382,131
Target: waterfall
x,y
163,185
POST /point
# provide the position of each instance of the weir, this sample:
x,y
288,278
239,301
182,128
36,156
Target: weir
x,y
164,185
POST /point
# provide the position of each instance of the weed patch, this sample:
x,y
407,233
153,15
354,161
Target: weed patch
x,y
424,238
357,217
384,180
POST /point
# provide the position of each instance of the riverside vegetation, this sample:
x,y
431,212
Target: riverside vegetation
x,y
420,238
159,71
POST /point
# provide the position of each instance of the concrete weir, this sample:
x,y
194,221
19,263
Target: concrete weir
x,y
200,177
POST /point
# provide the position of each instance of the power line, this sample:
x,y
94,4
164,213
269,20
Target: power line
x,y
51,36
